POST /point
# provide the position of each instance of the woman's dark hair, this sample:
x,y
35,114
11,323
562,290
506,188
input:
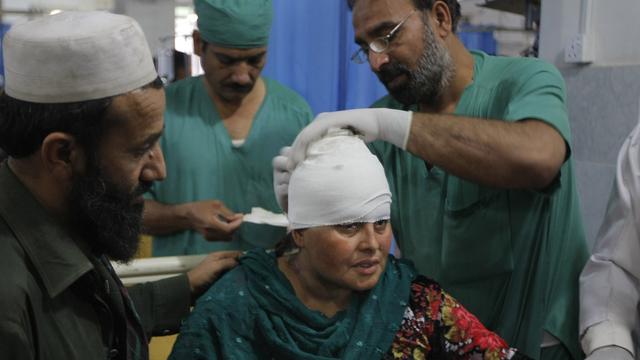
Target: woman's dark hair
x,y
24,124
453,5
285,245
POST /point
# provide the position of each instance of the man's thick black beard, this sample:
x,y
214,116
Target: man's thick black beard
x,y
107,215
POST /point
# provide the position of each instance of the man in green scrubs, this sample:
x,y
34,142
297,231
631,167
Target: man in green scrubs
x,y
222,130
484,195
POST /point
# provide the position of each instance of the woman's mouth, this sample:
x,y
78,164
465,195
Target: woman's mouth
x,y
367,267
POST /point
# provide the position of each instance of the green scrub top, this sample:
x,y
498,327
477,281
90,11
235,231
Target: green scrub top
x,y
512,257
203,164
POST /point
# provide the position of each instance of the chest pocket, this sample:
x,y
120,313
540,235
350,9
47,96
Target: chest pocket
x,y
476,233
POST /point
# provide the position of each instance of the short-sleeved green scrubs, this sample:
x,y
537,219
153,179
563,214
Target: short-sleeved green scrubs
x,y
512,257
203,164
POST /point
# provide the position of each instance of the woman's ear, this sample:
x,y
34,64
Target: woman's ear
x,y
61,155
298,238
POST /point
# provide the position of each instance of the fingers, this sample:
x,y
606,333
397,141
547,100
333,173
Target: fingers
x,y
223,229
285,151
281,173
222,265
281,176
229,224
235,218
211,268
279,162
314,131
281,190
227,220
225,212
298,150
219,255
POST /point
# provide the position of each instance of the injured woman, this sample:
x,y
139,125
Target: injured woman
x,y
331,290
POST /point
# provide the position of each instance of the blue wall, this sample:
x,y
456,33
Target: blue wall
x,y
3,29
310,48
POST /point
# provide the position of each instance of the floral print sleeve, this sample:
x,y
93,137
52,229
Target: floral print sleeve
x,y
436,326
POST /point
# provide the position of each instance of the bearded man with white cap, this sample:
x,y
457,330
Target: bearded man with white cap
x,y
80,119
222,129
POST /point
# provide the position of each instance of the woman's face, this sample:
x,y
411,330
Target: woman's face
x,y
350,256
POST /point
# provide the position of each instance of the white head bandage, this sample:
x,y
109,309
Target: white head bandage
x,y
76,56
339,182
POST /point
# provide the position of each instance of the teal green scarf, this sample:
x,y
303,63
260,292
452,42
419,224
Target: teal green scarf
x,y
253,313
363,331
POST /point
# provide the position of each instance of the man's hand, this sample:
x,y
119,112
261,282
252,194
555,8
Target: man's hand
x,y
204,274
212,219
281,175
611,352
389,125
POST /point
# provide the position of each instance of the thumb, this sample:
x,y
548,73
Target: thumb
x,y
285,151
279,164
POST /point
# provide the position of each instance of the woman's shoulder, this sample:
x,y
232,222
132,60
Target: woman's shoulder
x,y
228,292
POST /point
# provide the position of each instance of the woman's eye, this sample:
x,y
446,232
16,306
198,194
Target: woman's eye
x,y
349,228
381,225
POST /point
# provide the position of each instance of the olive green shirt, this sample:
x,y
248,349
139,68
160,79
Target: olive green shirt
x,y
512,257
57,302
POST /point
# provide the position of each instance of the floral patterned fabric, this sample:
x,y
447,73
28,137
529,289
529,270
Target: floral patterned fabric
x,y
436,326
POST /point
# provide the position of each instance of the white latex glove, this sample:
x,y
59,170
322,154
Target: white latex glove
x,y
611,352
389,125
281,175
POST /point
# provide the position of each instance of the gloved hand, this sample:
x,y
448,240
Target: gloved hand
x,y
281,175
389,125
610,352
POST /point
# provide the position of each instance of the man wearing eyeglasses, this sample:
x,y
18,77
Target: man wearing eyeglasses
x,y
222,130
477,153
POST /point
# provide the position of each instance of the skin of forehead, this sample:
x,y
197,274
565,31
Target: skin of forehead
x,y
371,14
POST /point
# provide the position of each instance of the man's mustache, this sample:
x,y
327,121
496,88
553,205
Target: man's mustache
x,y
240,88
389,72
142,188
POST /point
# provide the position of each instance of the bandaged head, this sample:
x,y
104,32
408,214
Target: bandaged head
x,y
339,182
240,24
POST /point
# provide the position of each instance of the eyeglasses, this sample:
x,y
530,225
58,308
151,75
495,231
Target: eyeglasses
x,y
378,45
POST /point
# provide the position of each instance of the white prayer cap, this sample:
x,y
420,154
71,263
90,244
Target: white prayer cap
x,y
76,56
339,182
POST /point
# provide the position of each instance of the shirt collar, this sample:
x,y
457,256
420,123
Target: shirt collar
x,y
57,258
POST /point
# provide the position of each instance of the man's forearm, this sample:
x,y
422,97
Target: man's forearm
x,y
163,219
524,154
